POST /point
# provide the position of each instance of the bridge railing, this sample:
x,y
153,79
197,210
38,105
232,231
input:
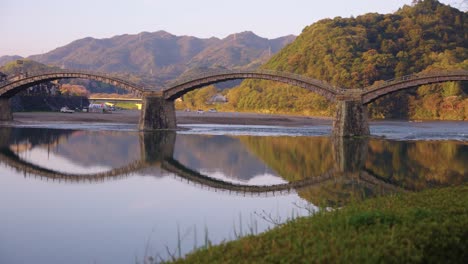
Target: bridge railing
x,y
213,73
414,77
32,74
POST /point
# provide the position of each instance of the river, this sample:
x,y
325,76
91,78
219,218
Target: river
x,y
106,193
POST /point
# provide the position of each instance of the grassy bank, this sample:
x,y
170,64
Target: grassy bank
x,y
425,227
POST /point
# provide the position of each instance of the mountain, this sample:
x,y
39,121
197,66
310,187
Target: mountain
x,y
240,50
6,59
18,66
356,52
159,56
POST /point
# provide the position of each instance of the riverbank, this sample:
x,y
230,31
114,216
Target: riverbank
x,y
425,227
132,116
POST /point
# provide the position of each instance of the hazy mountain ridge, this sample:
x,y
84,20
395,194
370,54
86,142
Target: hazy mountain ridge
x,y
160,56
236,50
6,59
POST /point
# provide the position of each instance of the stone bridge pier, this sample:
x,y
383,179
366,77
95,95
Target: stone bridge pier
x,y
351,120
157,113
5,109
351,115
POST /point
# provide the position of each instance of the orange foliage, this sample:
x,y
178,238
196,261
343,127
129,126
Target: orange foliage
x,y
73,90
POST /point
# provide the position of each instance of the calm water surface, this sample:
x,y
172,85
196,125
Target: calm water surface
x,y
110,194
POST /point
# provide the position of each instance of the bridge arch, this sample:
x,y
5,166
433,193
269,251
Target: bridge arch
x,y
16,84
184,86
371,93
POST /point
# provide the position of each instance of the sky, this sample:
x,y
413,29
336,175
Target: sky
x,y
29,27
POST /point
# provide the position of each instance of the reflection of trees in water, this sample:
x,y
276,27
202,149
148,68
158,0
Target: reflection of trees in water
x,y
85,148
33,136
417,165
340,191
298,158
412,165
293,158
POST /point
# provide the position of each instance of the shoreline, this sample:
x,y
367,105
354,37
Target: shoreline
x,y
194,118
132,117
397,226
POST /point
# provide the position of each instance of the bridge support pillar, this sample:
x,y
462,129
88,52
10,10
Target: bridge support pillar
x,y
5,109
350,119
157,113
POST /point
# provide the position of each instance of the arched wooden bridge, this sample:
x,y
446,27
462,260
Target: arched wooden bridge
x,y
158,110
20,82
373,92
182,87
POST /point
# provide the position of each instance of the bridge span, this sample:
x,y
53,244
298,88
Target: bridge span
x,y
20,82
371,93
158,109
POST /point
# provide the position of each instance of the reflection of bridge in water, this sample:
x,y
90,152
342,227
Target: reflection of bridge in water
x,y
157,151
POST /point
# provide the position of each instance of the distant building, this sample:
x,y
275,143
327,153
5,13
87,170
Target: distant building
x,y
218,99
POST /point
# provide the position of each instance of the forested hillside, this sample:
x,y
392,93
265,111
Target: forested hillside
x,y
357,52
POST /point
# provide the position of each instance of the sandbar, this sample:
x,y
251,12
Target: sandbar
x,y
132,117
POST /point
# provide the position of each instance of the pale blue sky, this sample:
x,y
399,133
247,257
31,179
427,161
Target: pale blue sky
x,y
36,26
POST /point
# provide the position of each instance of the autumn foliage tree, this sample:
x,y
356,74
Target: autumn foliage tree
x,y
73,90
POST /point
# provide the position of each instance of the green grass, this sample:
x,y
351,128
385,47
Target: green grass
x,y
425,227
